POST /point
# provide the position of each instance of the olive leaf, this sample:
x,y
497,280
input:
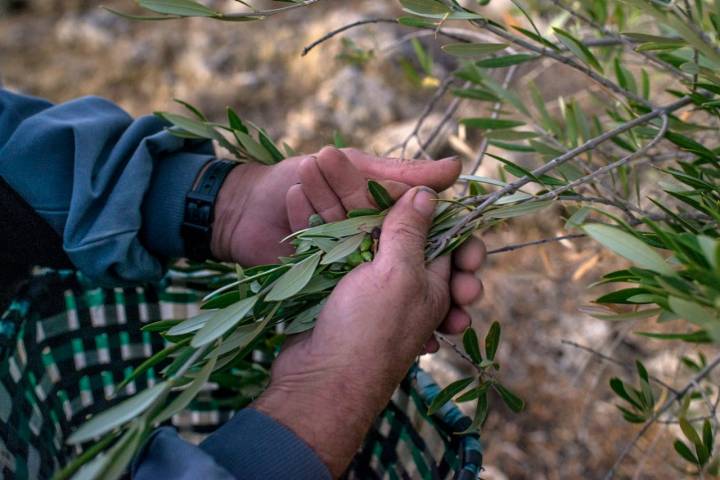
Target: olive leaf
x,y
447,393
178,7
295,279
472,347
380,195
189,394
118,415
343,248
469,50
492,341
628,246
192,324
222,321
515,403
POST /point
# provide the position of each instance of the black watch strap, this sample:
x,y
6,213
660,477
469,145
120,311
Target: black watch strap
x,y
200,210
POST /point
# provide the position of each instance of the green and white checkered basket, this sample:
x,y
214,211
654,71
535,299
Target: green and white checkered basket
x,y
65,343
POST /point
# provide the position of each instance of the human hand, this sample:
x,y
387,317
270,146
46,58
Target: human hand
x,y
330,384
260,205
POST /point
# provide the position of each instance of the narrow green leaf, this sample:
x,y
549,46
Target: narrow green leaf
x,y
222,321
488,180
628,246
536,37
344,228
192,324
188,395
193,109
577,47
472,347
435,9
685,452
183,8
475,94
294,279
490,123
708,436
470,50
470,395
190,125
425,7
254,149
492,341
416,22
689,431
306,320
698,336
244,335
380,195
117,415
506,61
423,57
122,453
448,393
518,210
515,403
697,314
343,249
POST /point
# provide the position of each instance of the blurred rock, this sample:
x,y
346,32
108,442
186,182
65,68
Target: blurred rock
x,y
96,29
393,135
354,103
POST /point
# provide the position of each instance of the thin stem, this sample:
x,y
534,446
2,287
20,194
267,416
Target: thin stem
x,y
616,362
518,246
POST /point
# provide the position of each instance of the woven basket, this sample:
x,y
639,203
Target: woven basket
x,y
65,343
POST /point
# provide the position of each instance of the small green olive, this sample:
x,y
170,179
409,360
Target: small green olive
x,y
366,244
354,259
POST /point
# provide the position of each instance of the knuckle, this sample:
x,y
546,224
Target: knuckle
x,y
407,229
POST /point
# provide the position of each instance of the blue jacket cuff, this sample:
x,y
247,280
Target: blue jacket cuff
x,y
164,204
251,438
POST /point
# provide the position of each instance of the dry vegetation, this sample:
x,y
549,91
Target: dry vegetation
x,y
570,428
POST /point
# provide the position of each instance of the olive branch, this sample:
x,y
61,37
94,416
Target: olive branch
x,y
246,304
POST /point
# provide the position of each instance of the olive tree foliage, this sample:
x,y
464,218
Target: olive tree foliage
x,y
636,169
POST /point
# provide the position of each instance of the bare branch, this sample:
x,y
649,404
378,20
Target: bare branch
x,y
615,362
518,246
610,167
369,21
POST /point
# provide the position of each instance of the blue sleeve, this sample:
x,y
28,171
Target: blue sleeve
x,y
111,186
250,446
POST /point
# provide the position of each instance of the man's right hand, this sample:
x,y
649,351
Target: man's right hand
x,y
329,385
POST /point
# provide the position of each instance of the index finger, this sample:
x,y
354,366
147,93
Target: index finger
x,y
438,175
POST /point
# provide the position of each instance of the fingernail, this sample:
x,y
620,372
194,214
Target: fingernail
x,y
424,201
454,158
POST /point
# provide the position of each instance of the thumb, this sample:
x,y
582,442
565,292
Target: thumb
x,y
405,229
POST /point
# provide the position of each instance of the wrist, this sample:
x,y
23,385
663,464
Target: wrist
x,y
331,416
230,207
